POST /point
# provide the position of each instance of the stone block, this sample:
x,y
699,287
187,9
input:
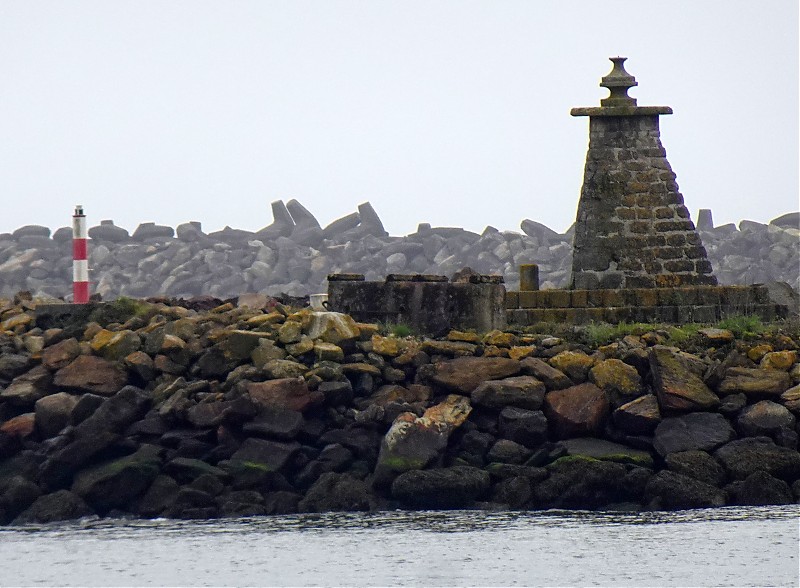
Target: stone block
x,y
512,299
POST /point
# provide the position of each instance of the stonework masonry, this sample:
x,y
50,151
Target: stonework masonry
x,y
632,228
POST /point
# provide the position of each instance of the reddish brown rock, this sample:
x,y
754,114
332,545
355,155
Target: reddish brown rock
x,y
61,354
638,417
88,373
677,388
554,379
463,374
577,411
20,426
286,393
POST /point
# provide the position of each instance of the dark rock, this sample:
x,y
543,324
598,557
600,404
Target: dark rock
x,y
505,451
759,488
16,494
580,482
698,465
337,393
752,454
14,364
608,451
669,490
283,393
85,407
276,423
765,418
185,470
266,455
158,498
514,492
701,430
26,389
281,502
117,483
731,404
62,505
337,492
53,413
61,354
528,427
444,488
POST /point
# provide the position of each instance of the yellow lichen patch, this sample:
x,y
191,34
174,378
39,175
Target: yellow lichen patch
x,y
778,360
500,338
521,352
465,336
16,323
388,346
101,339
759,351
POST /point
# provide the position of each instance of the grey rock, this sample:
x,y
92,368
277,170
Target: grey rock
x,y
698,430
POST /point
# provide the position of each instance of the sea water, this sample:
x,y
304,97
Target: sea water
x,y
754,546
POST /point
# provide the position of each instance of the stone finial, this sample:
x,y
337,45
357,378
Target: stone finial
x,y
618,81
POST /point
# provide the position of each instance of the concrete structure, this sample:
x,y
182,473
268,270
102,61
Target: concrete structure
x,y
426,303
632,229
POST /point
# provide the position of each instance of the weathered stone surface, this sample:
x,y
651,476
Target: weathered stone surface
x,y
778,360
765,418
752,454
444,488
759,488
676,388
333,327
53,413
283,393
266,455
574,364
463,374
62,505
618,379
61,354
576,411
276,423
698,465
553,379
117,483
26,389
186,470
699,430
507,451
670,490
338,492
16,494
608,451
638,417
20,426
414,442
791,399
519,391
527,427
755,382
88,373
581,482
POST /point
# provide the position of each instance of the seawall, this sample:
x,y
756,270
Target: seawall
x,y
205,408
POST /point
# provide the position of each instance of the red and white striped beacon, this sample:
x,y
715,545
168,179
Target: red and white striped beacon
x,y
80,258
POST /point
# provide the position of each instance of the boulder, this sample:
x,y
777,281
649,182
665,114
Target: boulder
x,y
514,492
333,327
668,490
152,231
61,354
764,418
87,373
413,442
158,498
283,393
576,411
755,382
117,483
62,505
677,388
278,424
108,231
20,426
700,430
575,364
518,391
54,412
698,465
463,374
443,488
742,457
338,492
507,451
607,451
527,427
25,390
578,482
759,488
618,379
14,364
16,494
638,417
268,456
186,470
553,379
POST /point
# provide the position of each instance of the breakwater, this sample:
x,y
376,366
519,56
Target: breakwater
x,y
294,255
203,409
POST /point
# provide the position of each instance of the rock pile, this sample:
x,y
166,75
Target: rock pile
x,y
157,410
294,255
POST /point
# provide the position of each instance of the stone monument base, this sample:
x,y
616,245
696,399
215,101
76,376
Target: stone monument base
x,y
691,304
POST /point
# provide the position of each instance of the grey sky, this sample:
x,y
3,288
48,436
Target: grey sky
x,y
449,112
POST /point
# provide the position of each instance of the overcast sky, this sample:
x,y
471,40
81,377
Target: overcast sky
x,y
454,113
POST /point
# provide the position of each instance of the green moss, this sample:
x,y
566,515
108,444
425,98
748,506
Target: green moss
x,y
644,461
570,459
399,463
743,326
119,311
